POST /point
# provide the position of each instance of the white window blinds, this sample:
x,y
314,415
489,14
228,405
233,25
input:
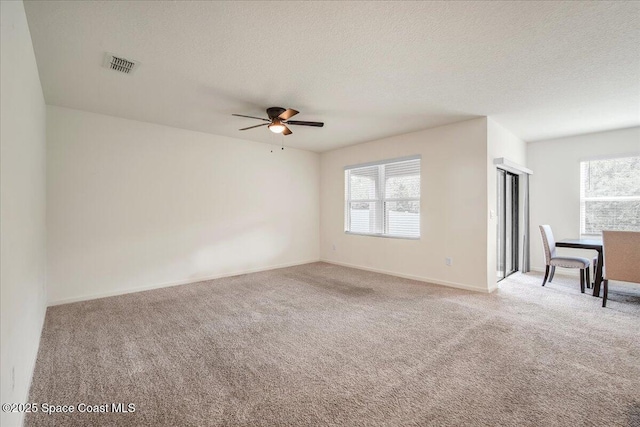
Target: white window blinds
x,y
610,195
383,199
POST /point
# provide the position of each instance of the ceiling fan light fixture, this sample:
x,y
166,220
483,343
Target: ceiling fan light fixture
x,y
276,126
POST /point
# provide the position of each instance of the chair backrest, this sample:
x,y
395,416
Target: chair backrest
x,y
548,242
622,255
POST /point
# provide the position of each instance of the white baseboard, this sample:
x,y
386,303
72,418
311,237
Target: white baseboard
x,y
32,364
412,277
169,284
493,287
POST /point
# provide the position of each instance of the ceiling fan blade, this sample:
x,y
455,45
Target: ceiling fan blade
x,y
303,123
288,113
251,117
286,131
256,126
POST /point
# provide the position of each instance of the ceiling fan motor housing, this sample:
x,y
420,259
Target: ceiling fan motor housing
x,y
274,112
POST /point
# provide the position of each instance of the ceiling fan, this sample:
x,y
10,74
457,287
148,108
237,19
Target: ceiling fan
x,y
279,119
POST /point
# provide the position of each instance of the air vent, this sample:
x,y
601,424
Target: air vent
x,y
120,64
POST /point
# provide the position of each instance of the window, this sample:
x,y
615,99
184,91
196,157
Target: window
x,y
610,195
383,199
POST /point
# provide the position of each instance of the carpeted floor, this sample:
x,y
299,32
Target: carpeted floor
x,y
323,345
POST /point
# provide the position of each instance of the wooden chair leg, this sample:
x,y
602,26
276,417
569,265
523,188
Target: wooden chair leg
x,y
605,283
553,271
588,271
546,274
582,280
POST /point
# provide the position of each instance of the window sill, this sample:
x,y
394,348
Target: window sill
x,y
386,236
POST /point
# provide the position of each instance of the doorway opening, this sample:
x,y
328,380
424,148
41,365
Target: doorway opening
x,y
507,233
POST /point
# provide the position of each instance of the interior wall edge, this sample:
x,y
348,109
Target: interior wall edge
x,y
50,105
23,274
34,358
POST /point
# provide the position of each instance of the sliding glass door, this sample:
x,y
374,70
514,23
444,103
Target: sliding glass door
x,y
507,232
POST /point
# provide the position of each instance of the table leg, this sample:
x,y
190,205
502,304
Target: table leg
x,y
598,278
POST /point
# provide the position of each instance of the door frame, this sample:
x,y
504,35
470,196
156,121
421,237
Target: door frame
x,y
515,221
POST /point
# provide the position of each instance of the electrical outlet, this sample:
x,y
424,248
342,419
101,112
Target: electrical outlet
x,y
333,247
448,261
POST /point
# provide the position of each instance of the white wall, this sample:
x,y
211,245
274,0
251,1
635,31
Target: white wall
x,y
501,143
555,183
134,205
22,208
453,207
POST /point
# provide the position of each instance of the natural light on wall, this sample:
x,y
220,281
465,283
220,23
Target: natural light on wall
x,y
610,195
383,198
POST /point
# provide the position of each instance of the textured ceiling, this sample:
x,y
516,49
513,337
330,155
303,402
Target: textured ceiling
x,y
367,69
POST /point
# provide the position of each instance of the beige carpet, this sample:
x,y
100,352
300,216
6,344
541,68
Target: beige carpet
x,y
323,345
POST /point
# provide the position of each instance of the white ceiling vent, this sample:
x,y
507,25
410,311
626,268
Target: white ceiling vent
x,y
120,64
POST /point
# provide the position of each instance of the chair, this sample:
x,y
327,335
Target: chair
x,y
595,271
553,261
621,258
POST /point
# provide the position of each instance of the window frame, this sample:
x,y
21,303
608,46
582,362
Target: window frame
x,y
381,199
584,199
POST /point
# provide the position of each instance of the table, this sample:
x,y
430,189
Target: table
x,y
592,244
